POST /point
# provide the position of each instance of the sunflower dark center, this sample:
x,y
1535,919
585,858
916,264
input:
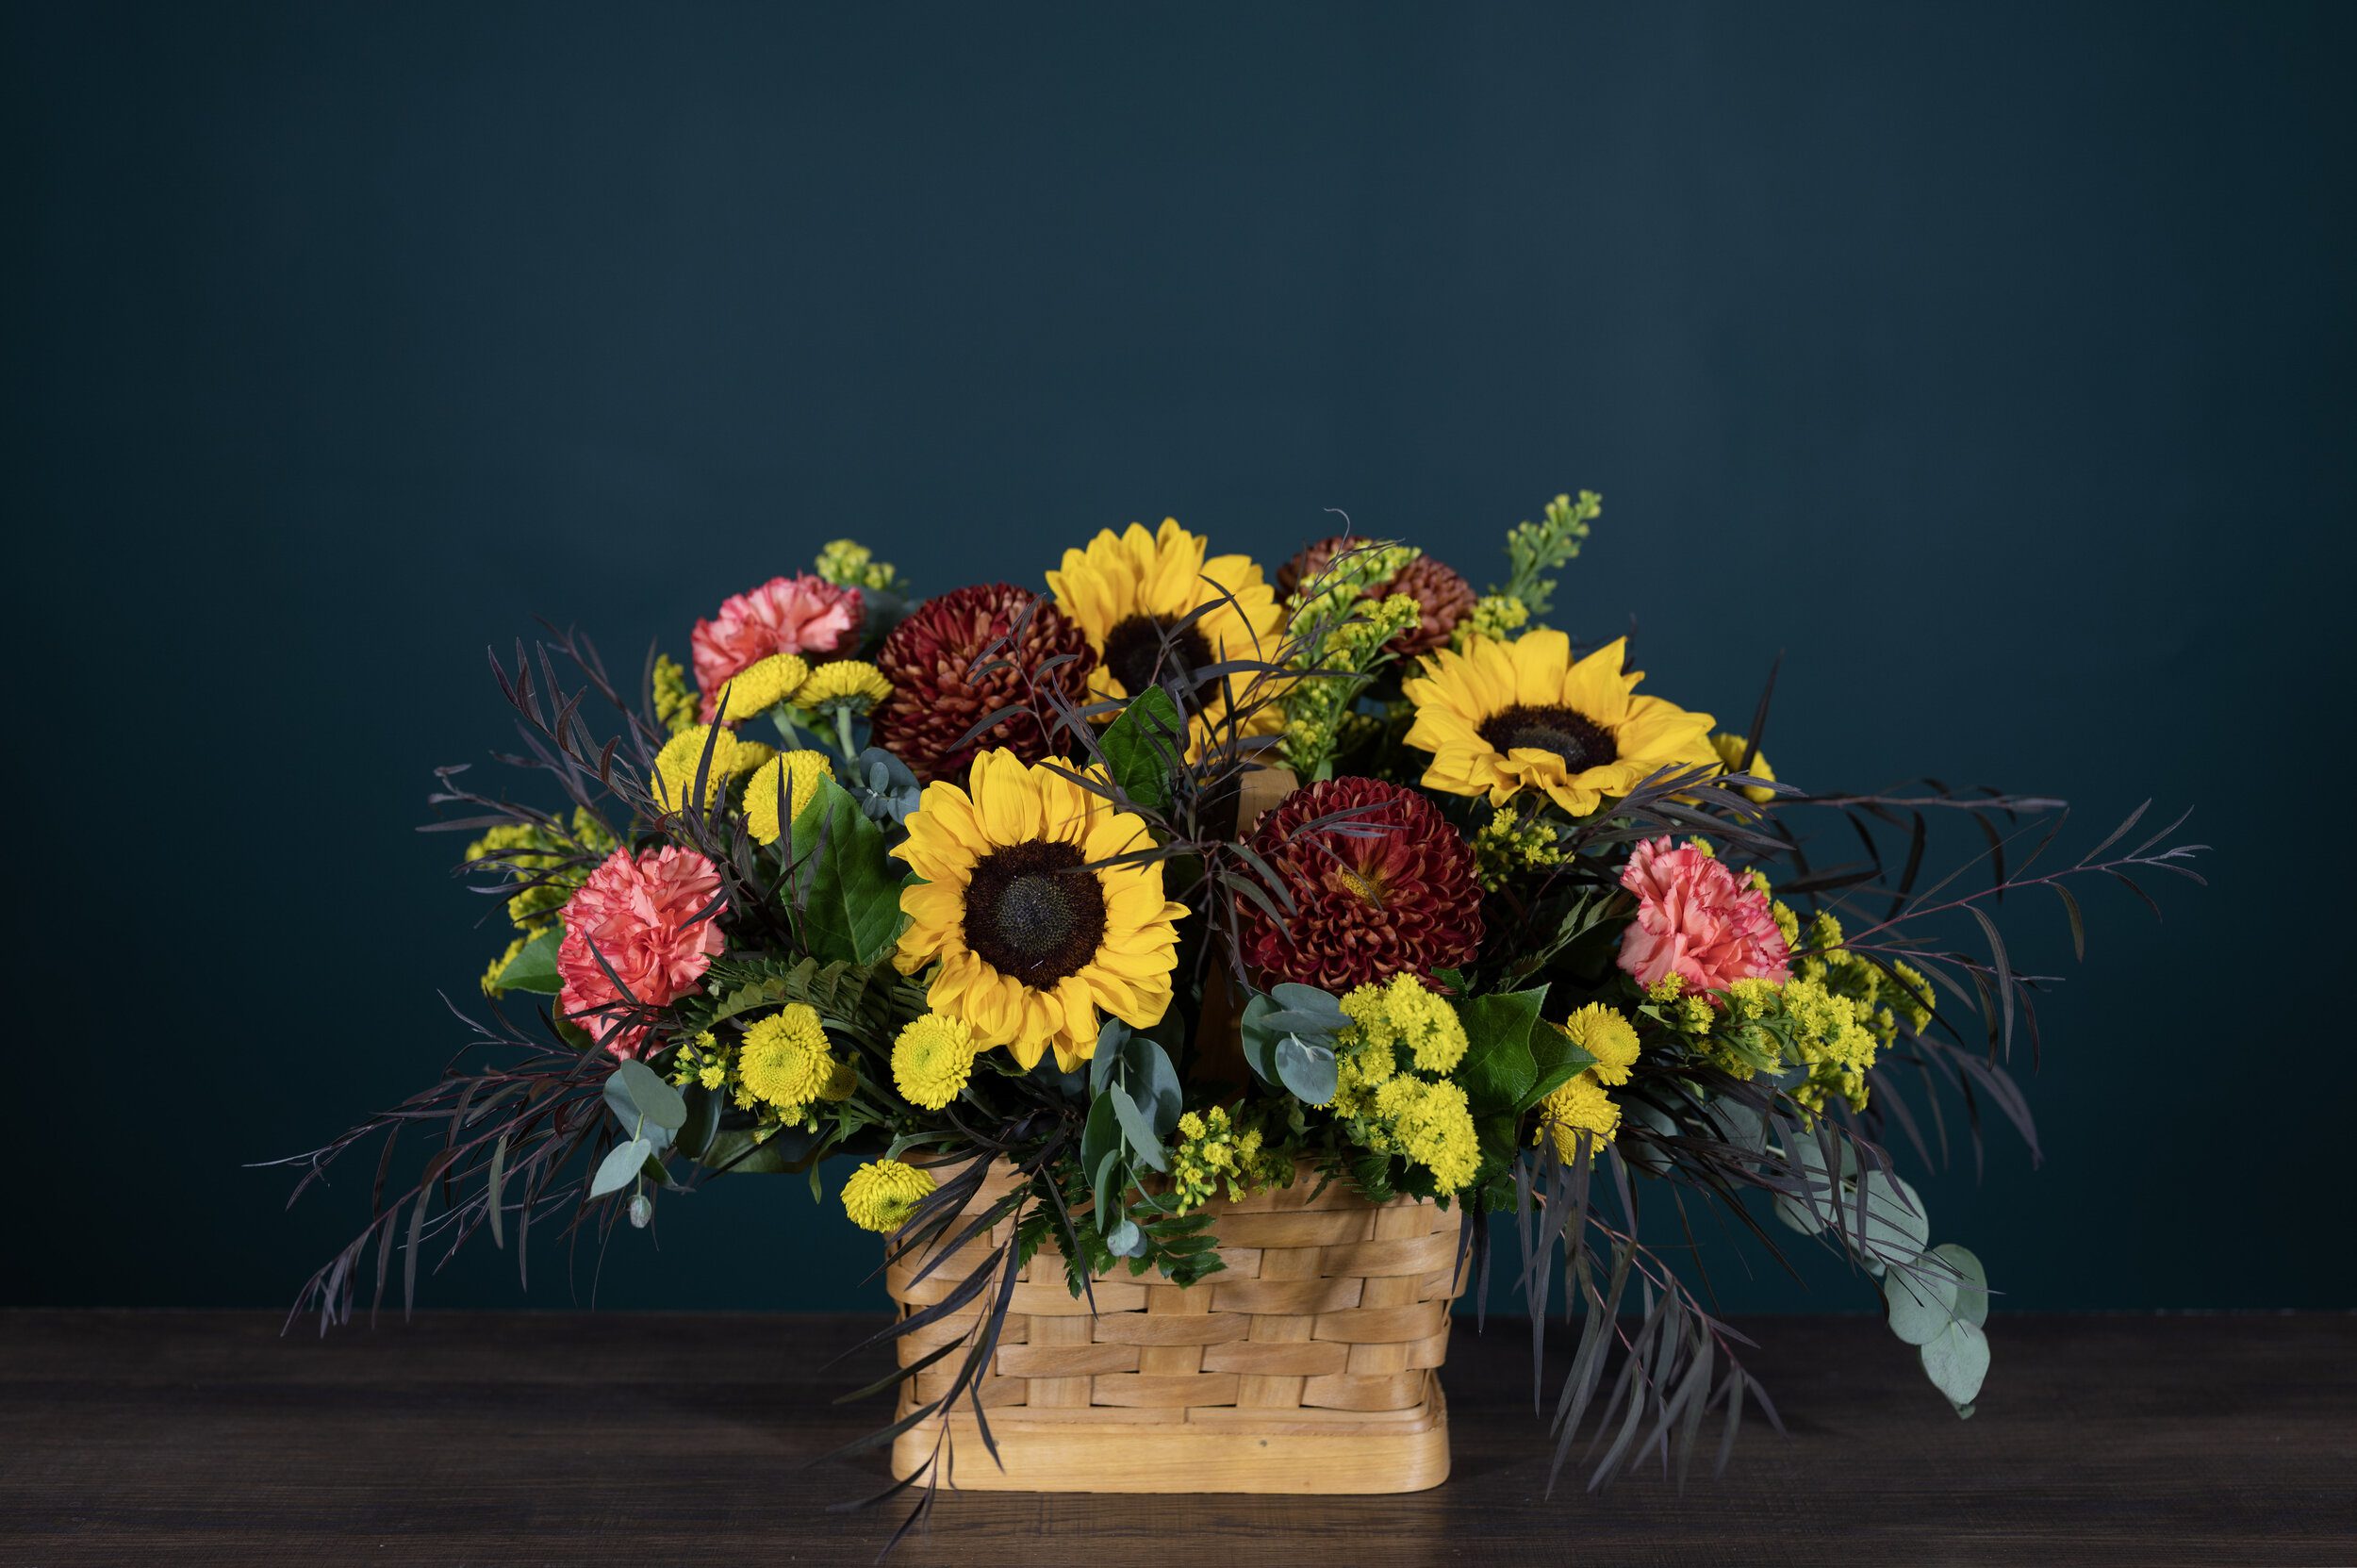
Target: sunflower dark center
x,y
1032,914
1144,648
1580,741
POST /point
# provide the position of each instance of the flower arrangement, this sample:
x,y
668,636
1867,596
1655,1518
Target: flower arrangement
x,y
1091,914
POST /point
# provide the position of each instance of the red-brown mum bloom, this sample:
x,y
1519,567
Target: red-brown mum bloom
x,y
1443,596
1386,889
1029,654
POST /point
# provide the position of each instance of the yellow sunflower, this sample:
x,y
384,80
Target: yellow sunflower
x,y
1031,933
1132,594
1502,718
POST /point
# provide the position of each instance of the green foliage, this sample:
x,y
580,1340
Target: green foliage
x,y
1534,548
1145,746
1501,1071
1297,1025
533,967
845,890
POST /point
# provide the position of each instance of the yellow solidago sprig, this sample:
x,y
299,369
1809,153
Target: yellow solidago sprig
x,y
536,855
674,697
1533,549
848,563
1389,1085
1512,842
1337,631
881,1195
934,1058
675,765
1212,1149
1497,615
791,776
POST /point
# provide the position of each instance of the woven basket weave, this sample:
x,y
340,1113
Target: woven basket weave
x,y
1306,1366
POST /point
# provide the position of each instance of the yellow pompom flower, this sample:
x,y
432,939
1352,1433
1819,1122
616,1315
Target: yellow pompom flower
x,y
1730,752
852,684
793,776
784,1059
1029,932
760,686
1579,1106
883,1194
675,765
1404,1011
932,1059
1502,719
1135,596
1605,1034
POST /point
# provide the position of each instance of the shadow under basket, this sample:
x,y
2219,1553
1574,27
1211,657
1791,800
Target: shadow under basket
x,y
1309,1365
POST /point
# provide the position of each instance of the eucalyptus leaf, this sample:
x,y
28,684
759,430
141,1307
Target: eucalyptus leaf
x,y
1921,1303
1958,1363
1972,1282
620,1168
1135,1128
1126,1240
1323,1006
1305,1069
654,1099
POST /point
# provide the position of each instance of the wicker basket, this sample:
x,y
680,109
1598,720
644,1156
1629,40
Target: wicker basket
x,y
1306,1366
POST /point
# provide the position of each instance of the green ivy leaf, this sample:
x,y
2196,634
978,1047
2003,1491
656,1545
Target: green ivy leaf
x,y
848,893
534,968
1144,746
1499,1071
1558,1062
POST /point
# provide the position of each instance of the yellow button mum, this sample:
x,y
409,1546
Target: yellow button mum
x,y
761,686
1136,596
1578,1107
1029,933
675,765
846,683
932,1059
883,1194
785,1059
1503,717
1729,750
1605,1034
792,775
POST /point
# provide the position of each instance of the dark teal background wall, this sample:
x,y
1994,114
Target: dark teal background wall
x,y
1996,361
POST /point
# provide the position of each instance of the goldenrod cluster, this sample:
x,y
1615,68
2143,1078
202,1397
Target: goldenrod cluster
x,y
848,563
529,852
1767,1028
674,698
1398,1030
1509,843
1318,711
883,1194
1495,616
1213,1149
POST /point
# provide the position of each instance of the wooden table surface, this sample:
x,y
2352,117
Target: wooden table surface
x,y
205,1437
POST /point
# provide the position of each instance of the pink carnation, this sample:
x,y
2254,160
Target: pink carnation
x,y
803,614
642,911
1697,918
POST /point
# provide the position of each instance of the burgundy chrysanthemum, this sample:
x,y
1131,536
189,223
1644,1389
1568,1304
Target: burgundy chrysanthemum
x,y
1388,888
938,696
1444,597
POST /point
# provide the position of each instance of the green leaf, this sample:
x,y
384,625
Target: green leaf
x,y
1126,1240
1144,746
1308,1071
1957,1362
847,891
758,1151
620,1168
1972,1282
703,1122
535,968
641,1089
1558,1062
1499,1071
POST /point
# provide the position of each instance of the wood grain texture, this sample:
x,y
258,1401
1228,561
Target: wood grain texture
x,y
528,1438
